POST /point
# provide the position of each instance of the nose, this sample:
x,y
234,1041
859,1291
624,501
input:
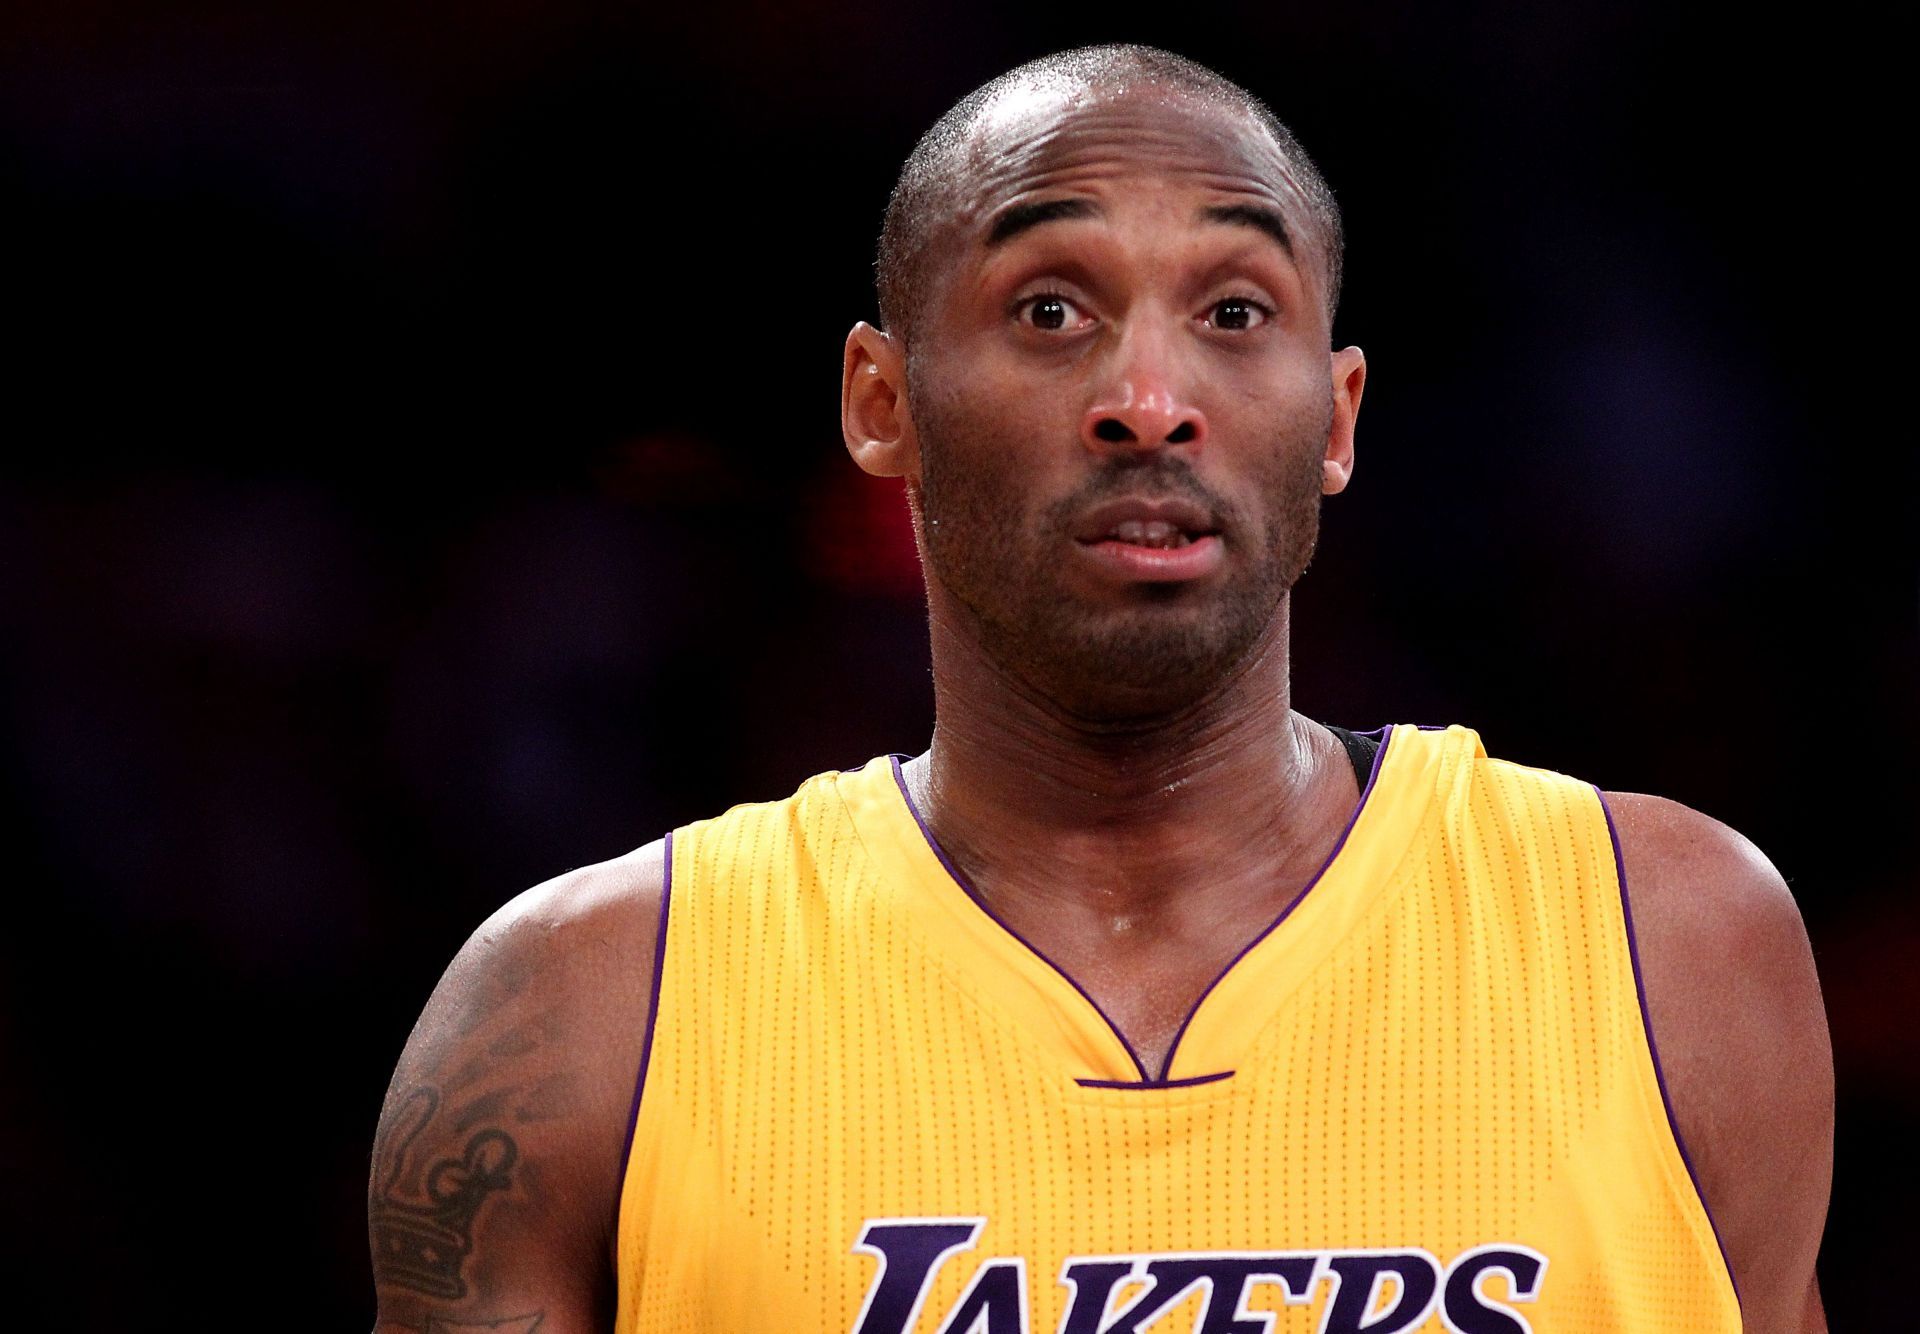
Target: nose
x,y
1143,407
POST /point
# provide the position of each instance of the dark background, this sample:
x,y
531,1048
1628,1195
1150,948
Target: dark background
x,y
421,476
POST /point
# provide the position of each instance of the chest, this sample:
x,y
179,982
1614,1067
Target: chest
x,y
865,1095
917,1167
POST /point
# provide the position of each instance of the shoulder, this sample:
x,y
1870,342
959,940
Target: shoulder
x,y
583,931
1740,1032
1709,906
573,956
516,1085
565,968
1714,921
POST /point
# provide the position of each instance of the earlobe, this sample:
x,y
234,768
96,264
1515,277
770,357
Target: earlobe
x,y
874,417
1349,379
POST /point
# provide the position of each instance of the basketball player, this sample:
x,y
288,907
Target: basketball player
x,y
1139,1001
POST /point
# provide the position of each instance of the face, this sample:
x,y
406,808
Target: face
x,y
1122,398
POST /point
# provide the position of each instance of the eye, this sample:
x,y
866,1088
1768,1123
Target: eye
x,y
1237,314
1049,311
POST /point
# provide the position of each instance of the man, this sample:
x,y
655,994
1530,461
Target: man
x,y
1140,1001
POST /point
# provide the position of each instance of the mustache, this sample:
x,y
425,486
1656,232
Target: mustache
x,y
1159,478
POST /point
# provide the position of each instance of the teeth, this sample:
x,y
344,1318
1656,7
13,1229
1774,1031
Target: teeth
x,y
1149,533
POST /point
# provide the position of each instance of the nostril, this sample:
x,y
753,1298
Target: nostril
x,y
1112,431
1182,433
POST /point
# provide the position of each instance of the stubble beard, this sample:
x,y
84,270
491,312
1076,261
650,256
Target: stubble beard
x,y
1172,646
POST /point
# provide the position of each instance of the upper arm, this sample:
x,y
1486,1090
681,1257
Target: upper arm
x,y
497,1165
1735,1007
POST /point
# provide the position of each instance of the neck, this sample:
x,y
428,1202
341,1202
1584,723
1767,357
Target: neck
x,y
1124,819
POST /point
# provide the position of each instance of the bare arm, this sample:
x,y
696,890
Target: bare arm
x,y
496,1168
1742,1034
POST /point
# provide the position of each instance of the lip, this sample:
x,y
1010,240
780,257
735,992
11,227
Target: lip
x,y
1097,524
1129,563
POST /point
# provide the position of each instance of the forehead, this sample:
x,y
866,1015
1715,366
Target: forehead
x,y
1073,139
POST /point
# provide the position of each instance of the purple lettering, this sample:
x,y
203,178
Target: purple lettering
x,y
1465,1311
994,1303
1360,1278
1225,1278
910,1250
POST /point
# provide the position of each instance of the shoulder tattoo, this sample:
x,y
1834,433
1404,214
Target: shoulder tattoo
x,y
422,1214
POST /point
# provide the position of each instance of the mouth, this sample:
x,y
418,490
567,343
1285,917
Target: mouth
x,y
1169,540
1158,524
1156,534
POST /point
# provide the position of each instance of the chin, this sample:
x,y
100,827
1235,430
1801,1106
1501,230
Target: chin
x,y
1143,664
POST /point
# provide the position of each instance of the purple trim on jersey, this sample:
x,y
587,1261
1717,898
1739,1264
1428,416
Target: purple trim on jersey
x,y
1386,735
646,1041
953,872
1146,1080
1653,1048
1153,1083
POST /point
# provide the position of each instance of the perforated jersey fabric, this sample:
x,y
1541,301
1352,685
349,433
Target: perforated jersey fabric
x,y
1424,1099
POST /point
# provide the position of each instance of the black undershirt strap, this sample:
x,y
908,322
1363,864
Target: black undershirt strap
x,y
1360,750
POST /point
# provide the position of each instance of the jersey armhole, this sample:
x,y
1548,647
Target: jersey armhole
x,y
625,1165
1653,1048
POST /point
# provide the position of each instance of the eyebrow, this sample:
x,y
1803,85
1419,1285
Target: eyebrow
x,y
1025,217
1252,215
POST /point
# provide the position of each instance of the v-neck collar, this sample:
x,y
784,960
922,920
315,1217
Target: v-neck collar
x,y
1044,1001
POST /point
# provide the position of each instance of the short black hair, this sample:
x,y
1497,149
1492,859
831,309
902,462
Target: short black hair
x,y
924,194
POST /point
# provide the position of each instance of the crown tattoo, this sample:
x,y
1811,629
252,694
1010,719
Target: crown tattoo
x,y
421,1245
518,1324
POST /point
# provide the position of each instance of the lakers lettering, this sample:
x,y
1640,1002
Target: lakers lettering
x,y
1371,1291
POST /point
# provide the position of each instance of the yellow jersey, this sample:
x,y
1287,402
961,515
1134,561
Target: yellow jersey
x,y
1426,1098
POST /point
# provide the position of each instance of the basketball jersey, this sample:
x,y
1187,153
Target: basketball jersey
x,y
1423,1099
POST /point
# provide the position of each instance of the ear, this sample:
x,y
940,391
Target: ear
x,y
1349,378
874,416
